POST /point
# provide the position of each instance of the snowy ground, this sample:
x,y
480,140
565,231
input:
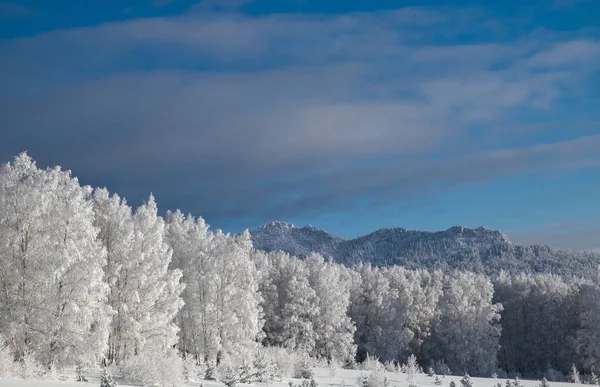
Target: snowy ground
x,y
343,378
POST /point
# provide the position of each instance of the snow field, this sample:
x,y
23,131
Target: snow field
x,y
323,376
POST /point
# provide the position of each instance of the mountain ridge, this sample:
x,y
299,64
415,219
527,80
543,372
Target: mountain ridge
x,y
459,247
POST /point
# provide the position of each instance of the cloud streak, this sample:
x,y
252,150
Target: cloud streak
x,y
13,10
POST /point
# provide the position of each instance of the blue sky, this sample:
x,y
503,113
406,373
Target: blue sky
x,y
347,115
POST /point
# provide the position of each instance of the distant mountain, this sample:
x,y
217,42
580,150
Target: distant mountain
x,y
459,247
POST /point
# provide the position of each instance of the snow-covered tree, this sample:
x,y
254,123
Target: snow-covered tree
x,y
411,368
380,328
574,375
466,381
114,220
539,322
156,295
52,303
191,242
290,304
334,331
239,321
588,334
421,291
144,291
265,369
393,309
222,316
106,379
467,331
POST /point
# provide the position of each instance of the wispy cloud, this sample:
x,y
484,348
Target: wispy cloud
x,y
13,10
219,5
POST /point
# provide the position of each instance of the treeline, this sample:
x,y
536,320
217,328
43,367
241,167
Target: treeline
x,y
86,279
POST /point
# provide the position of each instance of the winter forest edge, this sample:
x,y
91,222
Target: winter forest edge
x,y
87,281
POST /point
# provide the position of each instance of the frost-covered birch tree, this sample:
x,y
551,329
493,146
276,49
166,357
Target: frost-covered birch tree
x,y
144,292
114,220
52,294
333,328
222,315
467,330
289,303
191,242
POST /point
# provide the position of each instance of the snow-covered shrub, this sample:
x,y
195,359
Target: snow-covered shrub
x,y
371,363
8,366
544,383
593,379
284,361
265,369
466,381
246,372
430,372
440,367
517,382
438,381
411,368
304,367
452,383
153,368
106,379
574,375
554,375
30,368
228,374
362,380
377,378
305,383
389,366
514,375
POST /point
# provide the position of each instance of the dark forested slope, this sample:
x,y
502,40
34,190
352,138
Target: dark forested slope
x,y
459,247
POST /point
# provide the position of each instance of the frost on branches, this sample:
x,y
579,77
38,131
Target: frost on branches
x,y
305,304
144,292
221,317
467,330
53,302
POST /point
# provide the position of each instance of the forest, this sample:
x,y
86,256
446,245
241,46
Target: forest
x,y
85,279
